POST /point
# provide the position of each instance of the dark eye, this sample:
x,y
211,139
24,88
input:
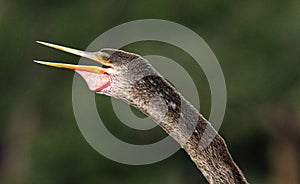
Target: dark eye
x,y
105,56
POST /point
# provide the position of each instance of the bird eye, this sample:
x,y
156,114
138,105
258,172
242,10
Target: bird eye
x,y
104,56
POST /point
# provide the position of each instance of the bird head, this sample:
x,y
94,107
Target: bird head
x,y
116,71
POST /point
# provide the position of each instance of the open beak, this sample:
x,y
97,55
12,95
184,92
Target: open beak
x,y
99,57
96,77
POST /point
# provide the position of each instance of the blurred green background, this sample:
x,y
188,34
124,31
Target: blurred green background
x,y
257,45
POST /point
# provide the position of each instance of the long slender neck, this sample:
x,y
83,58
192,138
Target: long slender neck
x,y
157,98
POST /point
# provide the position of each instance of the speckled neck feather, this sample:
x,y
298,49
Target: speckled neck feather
x,y
140,85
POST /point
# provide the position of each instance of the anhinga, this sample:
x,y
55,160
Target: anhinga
x,y
130,77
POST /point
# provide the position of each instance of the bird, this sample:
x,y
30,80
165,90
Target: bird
x,y
131,78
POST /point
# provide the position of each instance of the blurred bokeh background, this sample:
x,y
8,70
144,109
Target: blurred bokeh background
x,y
257,45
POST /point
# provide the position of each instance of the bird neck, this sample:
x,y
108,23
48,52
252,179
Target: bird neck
x,y
155,97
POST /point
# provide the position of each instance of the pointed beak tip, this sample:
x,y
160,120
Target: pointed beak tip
x,y
39,42
41,62
45,43
36,61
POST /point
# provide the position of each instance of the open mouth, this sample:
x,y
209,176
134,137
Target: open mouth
x,y
96,77
95,82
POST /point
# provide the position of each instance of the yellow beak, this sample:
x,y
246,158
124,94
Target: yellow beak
x,y
99,57
93,69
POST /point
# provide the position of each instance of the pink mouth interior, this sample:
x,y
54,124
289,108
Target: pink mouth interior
x,y
96,82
